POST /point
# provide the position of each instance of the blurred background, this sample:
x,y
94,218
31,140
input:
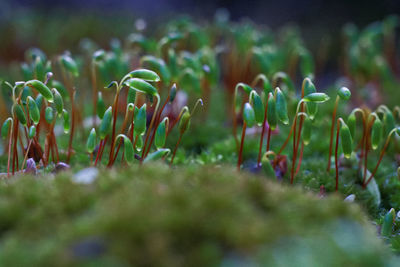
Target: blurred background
x,y
55,25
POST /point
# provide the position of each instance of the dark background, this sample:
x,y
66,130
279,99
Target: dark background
x,y
56,25
273,13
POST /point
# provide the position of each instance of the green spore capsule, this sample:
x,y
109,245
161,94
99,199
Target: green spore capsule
x,y
58,101
184,123
19,113
91,141
272,117
347,141
307,126
376,133
248,115
70,65
157,155
144,74
159,66
309,88
258,108
388,221
34,112
267,167
128,148
32,131
131,96
140,121
60,88
39,101
48,115
316,97
66,121
100,106
161,134
172,93
139,143
344,93
105,124
41,88
141,86
281,106
351,123
5,129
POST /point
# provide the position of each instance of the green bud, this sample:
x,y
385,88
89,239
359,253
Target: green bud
x,y
34,112
248,115
66,121
309,88
245,87
60,88
351,123
5,129
388,221
376,133
140,121
105,124
131,95
344,93
307,126
144,74
32,131
100,106
347,141
159,66
157,155
184,123
141,86
91,142
316,98
48,114
161,134
172,93
70,65
99,55
267,167
139,142
58,101
281,106
41,88
272,115
39,101
258,108
128,148
17,111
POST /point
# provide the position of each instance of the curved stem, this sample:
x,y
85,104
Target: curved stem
x,y
328,168
26,154
241,146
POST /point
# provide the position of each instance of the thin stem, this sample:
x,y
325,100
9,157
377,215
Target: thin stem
x,y
176,147
262,133
10,132
71,136
300,159
331,134
151,126
336,155
26,154
156,123
380,157
98,152
241,146
114,110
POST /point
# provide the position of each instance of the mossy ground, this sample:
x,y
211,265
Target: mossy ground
x,y
153,215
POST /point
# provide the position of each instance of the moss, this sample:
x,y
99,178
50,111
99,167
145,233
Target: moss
x,y
157,216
